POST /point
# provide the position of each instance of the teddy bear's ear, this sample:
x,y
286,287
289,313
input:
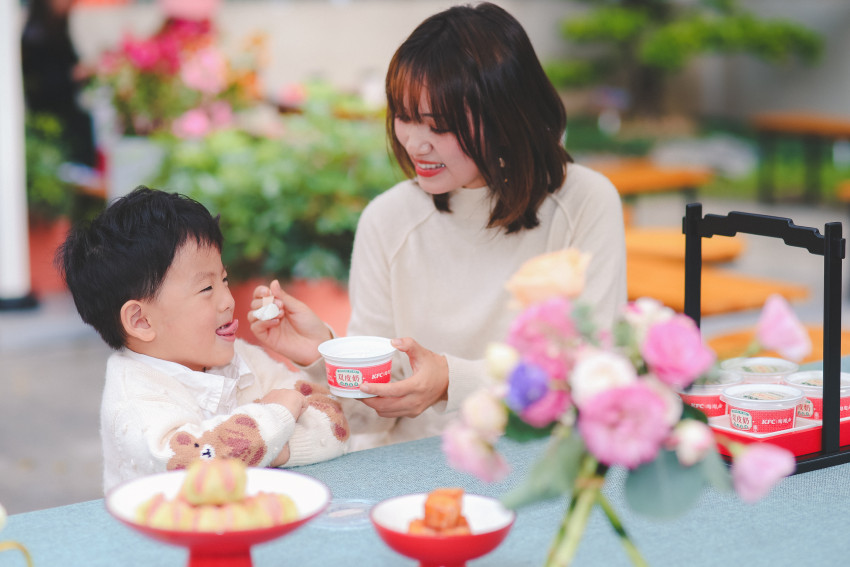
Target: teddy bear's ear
x,y
182,439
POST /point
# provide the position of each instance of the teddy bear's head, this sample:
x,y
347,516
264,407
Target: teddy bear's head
x,y
238,437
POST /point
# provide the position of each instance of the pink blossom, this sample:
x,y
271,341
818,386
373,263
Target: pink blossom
x,y
292,95
644,312
758,468
691,440
221,114
547,409
484,413
192,124
143,54
674,351
545,335
779,329
468,452
624,426
189,9
206,71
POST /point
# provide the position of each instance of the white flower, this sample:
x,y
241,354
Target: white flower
x,y
692,440
485,413
2,517
597,371
501,359
645,312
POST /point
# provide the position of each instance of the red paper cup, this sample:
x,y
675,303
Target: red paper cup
x,y
762,408
760,369
704,394
811,384
351,361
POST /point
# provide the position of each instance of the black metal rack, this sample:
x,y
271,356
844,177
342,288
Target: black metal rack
x,y
831,246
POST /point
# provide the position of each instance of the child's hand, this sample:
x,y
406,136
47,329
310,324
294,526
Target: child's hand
x,y
295,333
292,400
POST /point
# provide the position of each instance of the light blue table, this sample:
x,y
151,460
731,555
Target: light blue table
x,y
802,522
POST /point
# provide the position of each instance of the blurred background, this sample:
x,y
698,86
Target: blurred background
x,y
270,112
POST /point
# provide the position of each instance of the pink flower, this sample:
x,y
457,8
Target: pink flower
x,y
206,71
221,114
545,334
758,468
674,351
143,54
692,440
547,409
779,329
466,451
484,413
189,9
292,95
192,124
558,273
624,426
643,313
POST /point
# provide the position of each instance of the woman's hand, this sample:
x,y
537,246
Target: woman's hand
x,y
428,384
296,332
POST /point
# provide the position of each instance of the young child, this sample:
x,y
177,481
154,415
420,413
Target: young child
x,y
147,275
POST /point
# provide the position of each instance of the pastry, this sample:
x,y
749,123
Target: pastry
x,y
214,481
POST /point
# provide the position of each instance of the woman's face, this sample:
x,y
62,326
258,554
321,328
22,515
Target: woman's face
x,y
441,165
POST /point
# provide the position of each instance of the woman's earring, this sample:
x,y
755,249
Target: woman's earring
x,y
502,165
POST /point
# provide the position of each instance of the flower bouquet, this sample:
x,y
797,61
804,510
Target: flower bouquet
x,y
179,80
608,399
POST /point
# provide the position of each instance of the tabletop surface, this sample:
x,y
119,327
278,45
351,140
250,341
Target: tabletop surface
x,y
802,521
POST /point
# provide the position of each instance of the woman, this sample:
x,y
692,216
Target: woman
x,y
477,126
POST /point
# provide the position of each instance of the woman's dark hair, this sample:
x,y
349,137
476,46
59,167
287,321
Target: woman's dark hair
x,y
484,84
126,251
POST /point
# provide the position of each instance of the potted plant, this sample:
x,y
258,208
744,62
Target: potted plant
x,y
49,199
289,190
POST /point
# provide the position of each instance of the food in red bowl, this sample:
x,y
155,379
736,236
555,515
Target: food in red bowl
x,y
229,546
488,520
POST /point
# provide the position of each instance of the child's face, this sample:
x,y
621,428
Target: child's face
x,y
193,313
441,165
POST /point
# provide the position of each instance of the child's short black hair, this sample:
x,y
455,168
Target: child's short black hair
x,y
125,252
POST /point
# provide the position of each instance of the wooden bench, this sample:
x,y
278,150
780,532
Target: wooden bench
x,y
729,345
669,243
723,291
813,129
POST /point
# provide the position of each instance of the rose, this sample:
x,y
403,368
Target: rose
x,y
758,467
597,371
500,359
205,71
643,313
674,351
545,334
779,329
467,451
485,413
624,426
547,409
692,440
192,124
558,273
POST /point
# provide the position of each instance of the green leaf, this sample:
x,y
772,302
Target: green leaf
x,y
518,430
716,471
553,475
664,489
690,412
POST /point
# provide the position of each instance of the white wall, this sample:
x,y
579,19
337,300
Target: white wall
x,y
350,41
343,42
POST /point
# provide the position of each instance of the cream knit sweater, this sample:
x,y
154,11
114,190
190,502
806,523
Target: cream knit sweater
x,y
439,278
151,422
